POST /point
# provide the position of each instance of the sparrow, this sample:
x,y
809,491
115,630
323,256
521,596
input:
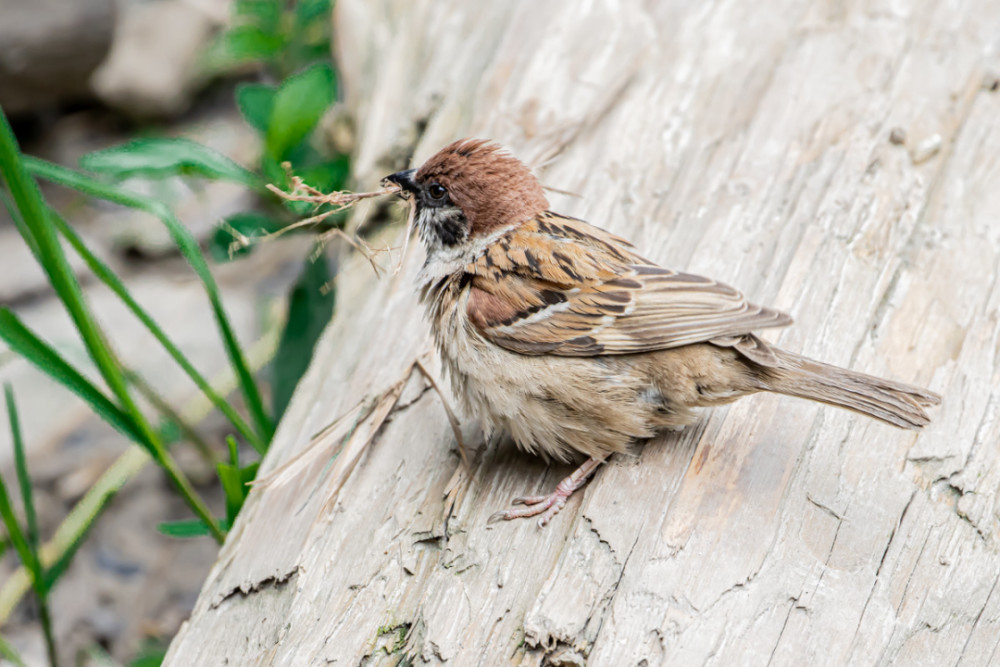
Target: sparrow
x,y
558,333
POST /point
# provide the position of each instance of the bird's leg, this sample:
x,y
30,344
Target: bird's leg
x,y
548,506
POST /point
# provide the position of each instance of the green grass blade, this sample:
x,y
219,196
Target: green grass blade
x,y
58,567
32,207
32,562
108,277
22,229
188,247
37,352
24,551
21,466
87,510
40,581
172,427
45,619
58,552
8,652
188,528
29,557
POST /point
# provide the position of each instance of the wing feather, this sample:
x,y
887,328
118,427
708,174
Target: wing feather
x,y
560,286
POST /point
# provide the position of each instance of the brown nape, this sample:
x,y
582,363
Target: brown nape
x,y
492,187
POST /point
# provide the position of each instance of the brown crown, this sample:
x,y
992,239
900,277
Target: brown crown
x,y
492,187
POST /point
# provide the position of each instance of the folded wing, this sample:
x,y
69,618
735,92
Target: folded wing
x,y
561,286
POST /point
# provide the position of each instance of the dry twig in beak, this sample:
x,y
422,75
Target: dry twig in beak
x,y
339,201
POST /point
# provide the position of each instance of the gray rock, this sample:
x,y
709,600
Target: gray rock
x,y
49,48
152,68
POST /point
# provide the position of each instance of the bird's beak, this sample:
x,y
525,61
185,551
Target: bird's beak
x,y
403,179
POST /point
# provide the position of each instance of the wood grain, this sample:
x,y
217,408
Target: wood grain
x,y
744,141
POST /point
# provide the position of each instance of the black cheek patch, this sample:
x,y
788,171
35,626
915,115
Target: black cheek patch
x,y
451,229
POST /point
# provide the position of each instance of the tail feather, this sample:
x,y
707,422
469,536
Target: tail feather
x,y
896,403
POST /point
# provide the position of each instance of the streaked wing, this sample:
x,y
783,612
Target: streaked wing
x,y
561,286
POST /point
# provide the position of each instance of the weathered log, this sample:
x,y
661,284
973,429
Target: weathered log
x,y
836,161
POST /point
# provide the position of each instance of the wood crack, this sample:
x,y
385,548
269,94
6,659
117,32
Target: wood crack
x,y
248,589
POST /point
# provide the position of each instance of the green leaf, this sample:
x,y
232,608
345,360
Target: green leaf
x,y
310,308
149,660
328,176
23,341
309,52
307,11
274,173
265,14
189,528
302,154
234,483
149,656
234,236
255,101
241,45
298,106
166,157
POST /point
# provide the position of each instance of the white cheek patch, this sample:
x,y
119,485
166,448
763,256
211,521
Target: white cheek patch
x,y
445,260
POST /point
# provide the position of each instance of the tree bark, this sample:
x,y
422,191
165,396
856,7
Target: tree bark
x,y
837,161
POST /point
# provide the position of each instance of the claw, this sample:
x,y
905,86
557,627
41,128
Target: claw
x,y
551,512
548,506
496,517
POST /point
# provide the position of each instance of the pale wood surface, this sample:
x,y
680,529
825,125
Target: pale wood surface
x,y
745,141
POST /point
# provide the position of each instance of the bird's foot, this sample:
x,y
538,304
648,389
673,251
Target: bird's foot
x,y
548,506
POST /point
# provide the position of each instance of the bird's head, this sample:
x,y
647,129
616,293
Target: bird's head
x,y
467,191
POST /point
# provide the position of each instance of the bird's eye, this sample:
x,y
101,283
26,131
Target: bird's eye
x,y
436,191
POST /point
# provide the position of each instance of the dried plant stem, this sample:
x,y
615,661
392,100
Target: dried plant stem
x,y
340,201
455,426
358,244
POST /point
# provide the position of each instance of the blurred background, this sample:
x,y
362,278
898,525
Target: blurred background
x,y
153,326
